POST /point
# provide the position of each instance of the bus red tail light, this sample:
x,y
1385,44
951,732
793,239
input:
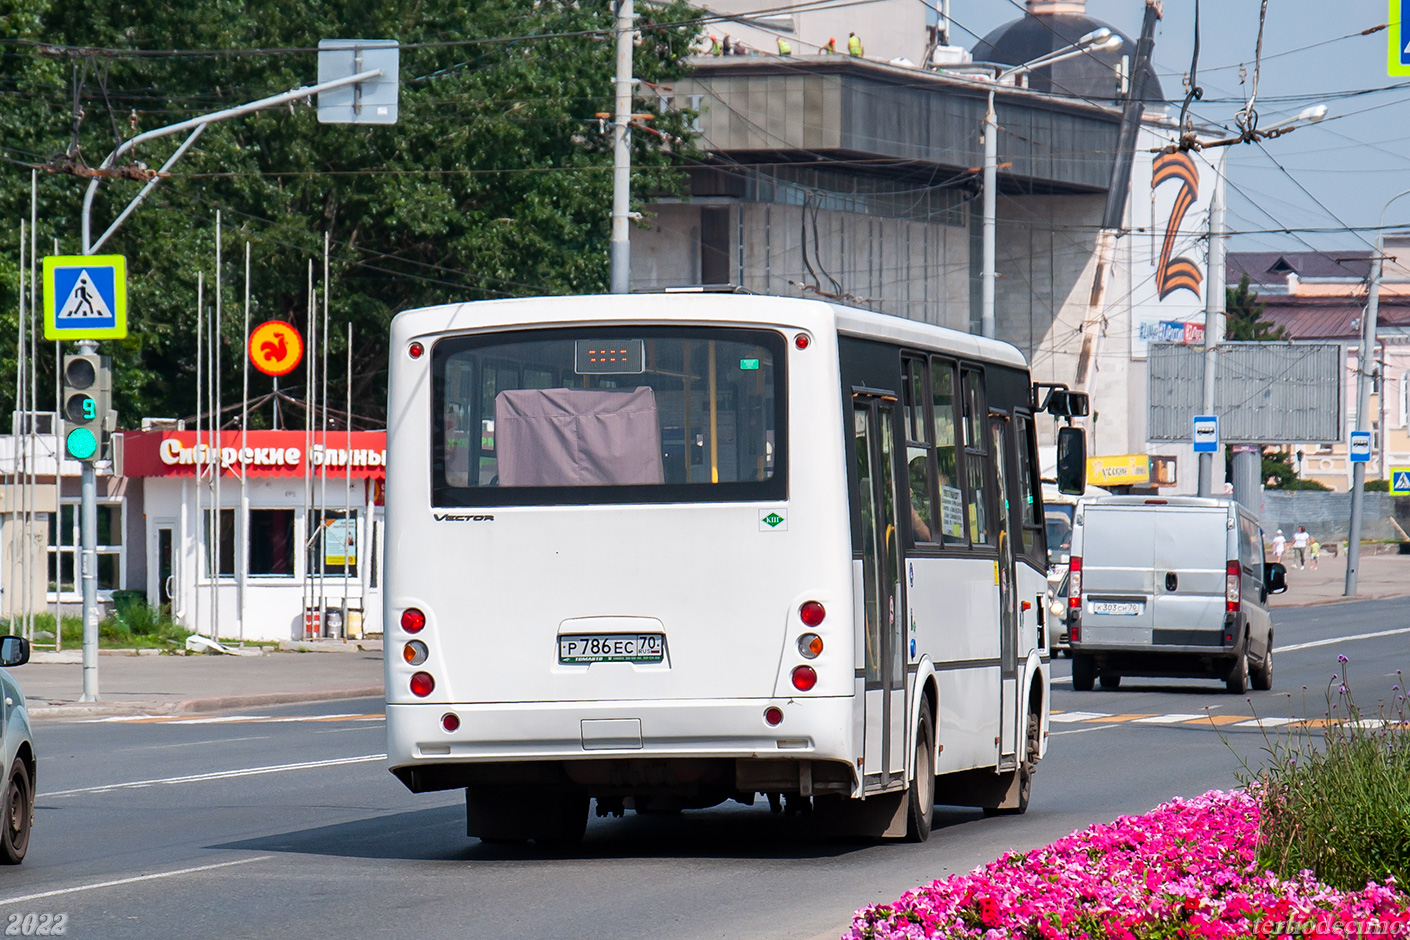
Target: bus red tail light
x,y
773,715
812,613
1232,588
1074,583
804,678
450,721
422,684
412,620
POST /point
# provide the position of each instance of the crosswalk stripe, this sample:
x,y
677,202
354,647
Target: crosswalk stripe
x,y
1115,718
1266,722
1166,719
1076,716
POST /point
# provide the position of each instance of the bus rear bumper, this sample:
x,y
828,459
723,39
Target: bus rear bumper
x,y
521,743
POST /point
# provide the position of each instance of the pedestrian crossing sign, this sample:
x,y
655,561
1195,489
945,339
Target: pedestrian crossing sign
x,y
85,297
1400,481
1398,61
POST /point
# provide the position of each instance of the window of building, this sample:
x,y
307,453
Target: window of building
x,y
226,538
333,543
272,543
65,542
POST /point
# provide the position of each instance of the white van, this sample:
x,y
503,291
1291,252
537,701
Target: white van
x,y
1171,586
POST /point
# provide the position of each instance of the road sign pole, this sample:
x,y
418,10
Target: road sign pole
x,y
1363,407
88,566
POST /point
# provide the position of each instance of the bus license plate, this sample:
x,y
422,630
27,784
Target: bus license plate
x,y
612,648
1119,608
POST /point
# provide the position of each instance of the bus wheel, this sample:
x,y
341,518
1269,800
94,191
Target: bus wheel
x,y
1025,771
1084,672
1110,680
921,798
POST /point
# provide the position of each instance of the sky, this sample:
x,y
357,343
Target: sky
x,y
1352,163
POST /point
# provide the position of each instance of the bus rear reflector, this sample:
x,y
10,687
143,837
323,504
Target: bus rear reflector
x,y
412,620
422,684
773,715
450,721
804,678
812,613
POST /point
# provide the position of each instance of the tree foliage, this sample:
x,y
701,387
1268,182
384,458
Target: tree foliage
x,y
496,181
1245,315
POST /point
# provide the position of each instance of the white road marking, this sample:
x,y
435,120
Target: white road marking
x,y
163,747
127,881
1332,641
221,775
1053,734
1167,719
1266,722
1067,717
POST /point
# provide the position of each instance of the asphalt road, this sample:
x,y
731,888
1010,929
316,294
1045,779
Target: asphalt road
x,y
285,822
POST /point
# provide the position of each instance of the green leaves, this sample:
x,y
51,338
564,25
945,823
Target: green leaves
x,y
495,182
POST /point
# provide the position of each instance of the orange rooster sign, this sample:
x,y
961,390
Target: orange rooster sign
x,y
276,348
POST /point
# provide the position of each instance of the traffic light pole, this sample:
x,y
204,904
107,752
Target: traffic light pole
x,y
88,508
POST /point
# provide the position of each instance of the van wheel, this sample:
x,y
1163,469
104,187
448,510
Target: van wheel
x,y
17,807
1262,674
920,801
1084,672
1237,683
1110,681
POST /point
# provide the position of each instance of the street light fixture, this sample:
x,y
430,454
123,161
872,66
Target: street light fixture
x,y
1098,40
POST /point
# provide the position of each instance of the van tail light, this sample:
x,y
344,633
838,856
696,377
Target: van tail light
x,y
1232,594
1074,583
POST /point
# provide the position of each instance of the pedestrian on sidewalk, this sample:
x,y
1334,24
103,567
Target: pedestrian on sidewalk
x,y
1314,550
1280,545
1300,542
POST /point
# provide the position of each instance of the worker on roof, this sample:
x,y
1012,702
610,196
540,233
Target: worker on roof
x,y
854,45
830,48
783,47
715,47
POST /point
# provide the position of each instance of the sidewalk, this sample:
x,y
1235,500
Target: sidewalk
x,y
1379,576
130,684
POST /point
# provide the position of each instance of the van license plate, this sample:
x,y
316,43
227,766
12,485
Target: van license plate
x,y
1119,608
612,648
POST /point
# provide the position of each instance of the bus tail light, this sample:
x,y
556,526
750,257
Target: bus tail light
x,y
415,350
1232,588
804,678
812,613
422,684
412,620
414,653
773,715
1074,583
810,645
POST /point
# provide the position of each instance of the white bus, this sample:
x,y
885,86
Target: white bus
x,y
663,551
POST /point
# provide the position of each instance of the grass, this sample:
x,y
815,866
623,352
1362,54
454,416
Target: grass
x,y
132,625
1341,809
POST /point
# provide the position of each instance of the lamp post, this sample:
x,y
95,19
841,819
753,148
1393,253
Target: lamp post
x,y
1363,400
1099,40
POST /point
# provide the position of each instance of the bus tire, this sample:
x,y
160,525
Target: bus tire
x,y
1110,680
920,799
1084,672
1025,771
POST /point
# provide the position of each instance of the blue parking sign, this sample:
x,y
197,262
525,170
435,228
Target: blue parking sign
x,y
85,297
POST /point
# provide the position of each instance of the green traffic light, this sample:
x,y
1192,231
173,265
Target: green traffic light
x,y
81,444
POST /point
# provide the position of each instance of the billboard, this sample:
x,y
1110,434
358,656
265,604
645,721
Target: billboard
x,y
1264,393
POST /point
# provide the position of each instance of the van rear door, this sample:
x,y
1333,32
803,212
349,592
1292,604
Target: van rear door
x,y
1118,543
1191,557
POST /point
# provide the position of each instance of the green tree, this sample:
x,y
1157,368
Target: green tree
x,y
1244,313
495,182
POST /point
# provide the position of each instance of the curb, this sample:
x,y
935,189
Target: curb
x,y
1322,601
200,705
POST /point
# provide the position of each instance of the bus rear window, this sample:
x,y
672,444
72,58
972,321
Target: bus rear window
x,y
645,414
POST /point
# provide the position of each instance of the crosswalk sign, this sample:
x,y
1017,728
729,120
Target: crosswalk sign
x,y
1400,481
85,297
1398,59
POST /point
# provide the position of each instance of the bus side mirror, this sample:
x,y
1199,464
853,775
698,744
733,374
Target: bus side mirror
x,y
1062,402
1072,461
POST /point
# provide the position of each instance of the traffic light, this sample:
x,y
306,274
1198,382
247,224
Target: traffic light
x,y
88,397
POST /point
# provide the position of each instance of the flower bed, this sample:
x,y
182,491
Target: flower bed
x,y
1184,870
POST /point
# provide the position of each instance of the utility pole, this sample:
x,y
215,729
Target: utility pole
x,y
1213,314
622,155
1363,406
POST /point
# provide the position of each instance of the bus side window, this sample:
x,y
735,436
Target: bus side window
x,y
951,493
918,448
979,469
1028,490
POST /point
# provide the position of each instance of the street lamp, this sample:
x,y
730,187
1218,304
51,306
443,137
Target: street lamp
x,y
1363,399
1099,40
1214,300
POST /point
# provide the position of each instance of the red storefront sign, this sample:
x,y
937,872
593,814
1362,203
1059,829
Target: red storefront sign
x,y
361,455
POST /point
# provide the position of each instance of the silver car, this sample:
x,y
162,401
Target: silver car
x,y
1170,587
17,746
